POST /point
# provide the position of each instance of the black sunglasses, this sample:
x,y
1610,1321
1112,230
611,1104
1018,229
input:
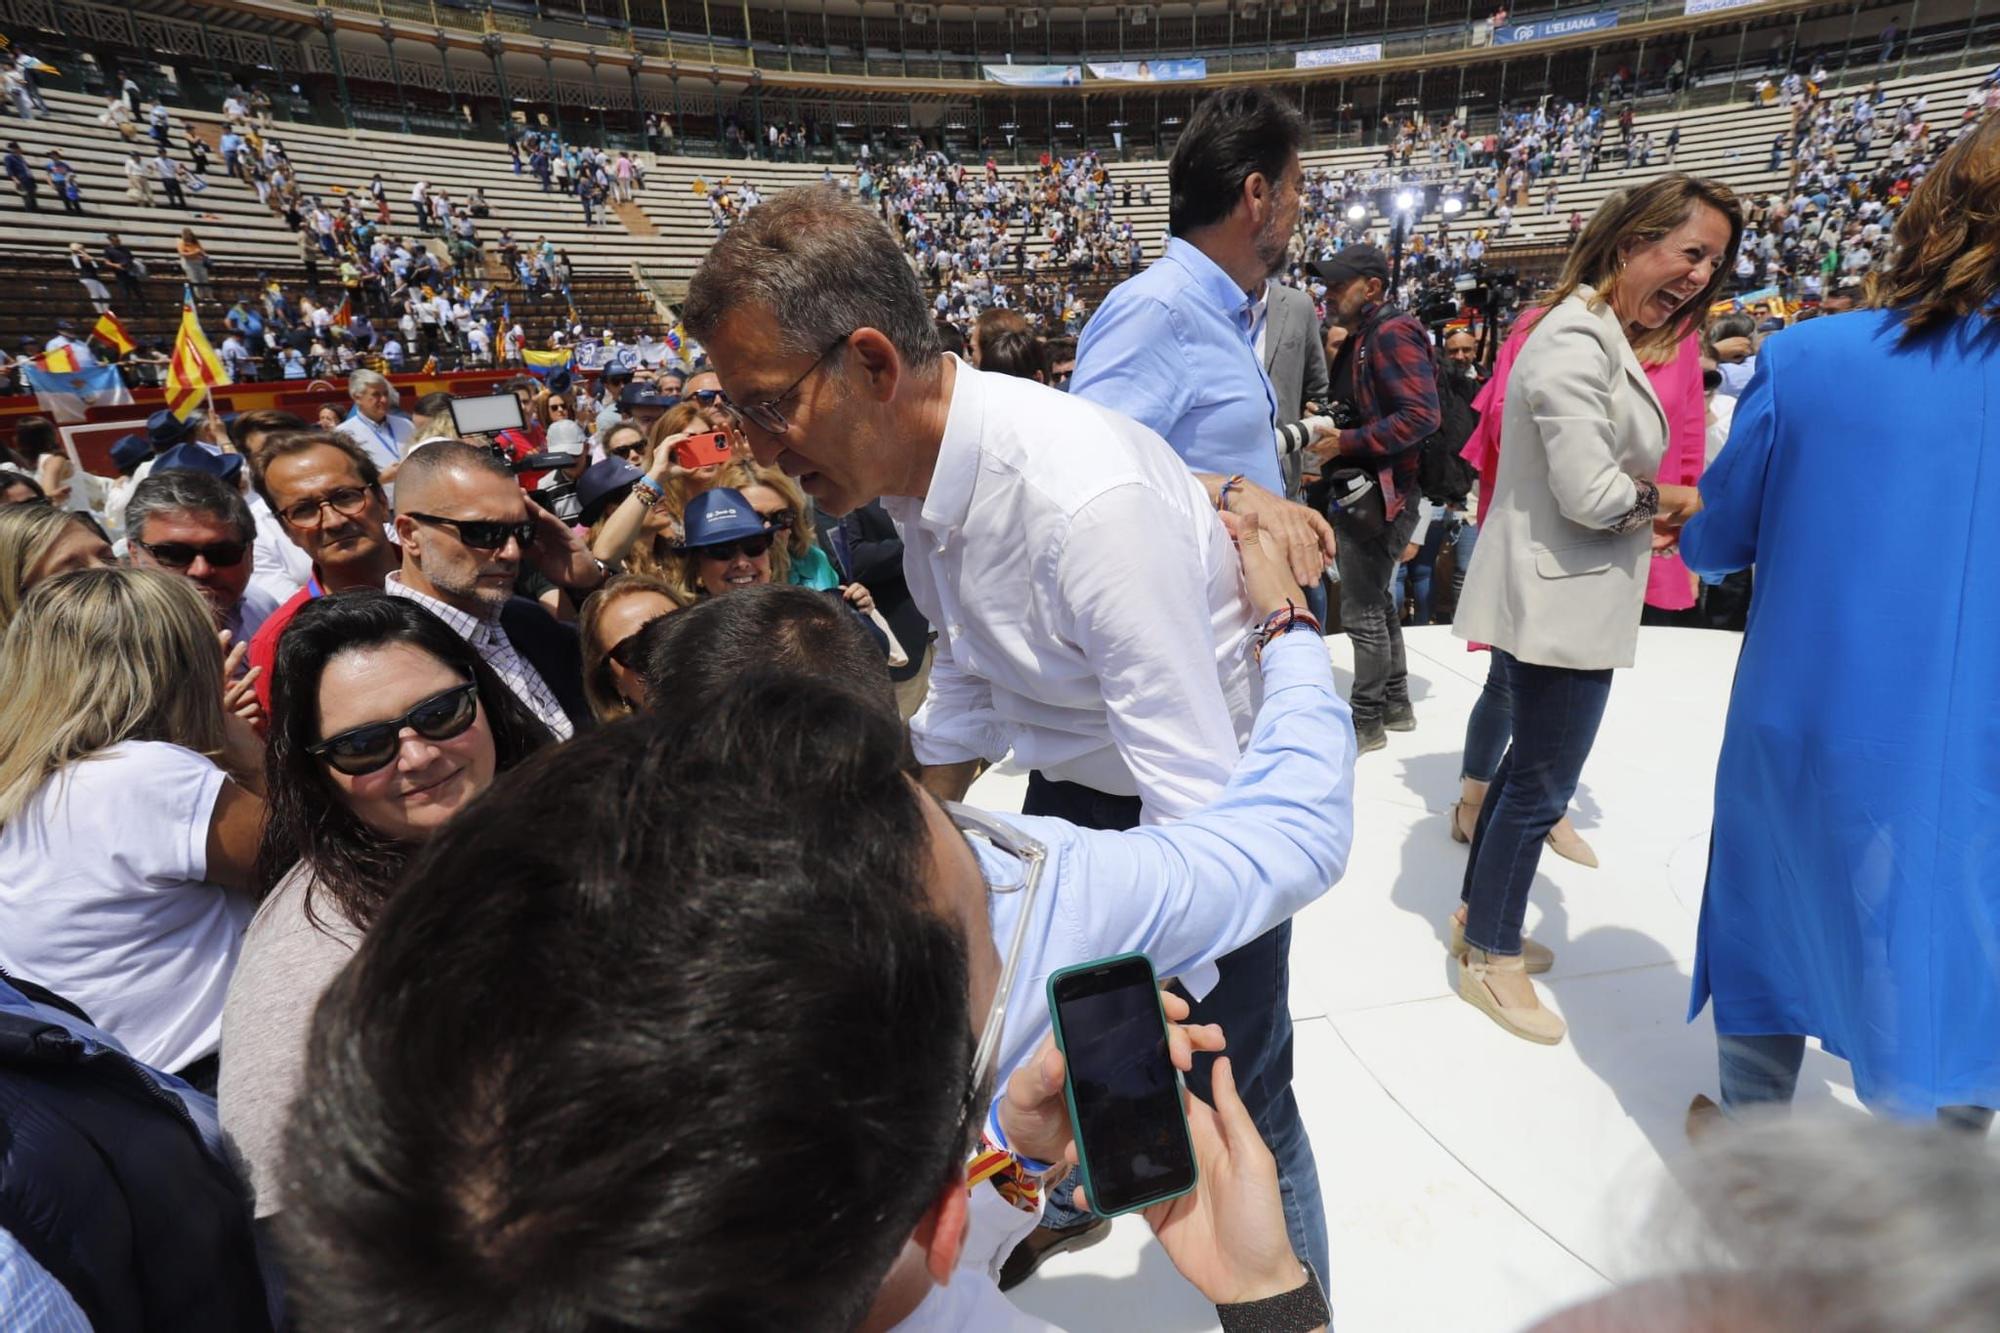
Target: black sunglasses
x,y
709,397
375,745
486,534
179,555
750,546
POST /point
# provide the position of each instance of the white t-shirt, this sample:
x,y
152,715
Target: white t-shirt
x,y
104,899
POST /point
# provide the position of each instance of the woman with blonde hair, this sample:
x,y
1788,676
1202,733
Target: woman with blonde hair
x,y
796,557
1559,577
130,810
1853,887
38,542
609,627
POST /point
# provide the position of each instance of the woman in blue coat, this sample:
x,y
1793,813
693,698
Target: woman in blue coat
x,y
1854,879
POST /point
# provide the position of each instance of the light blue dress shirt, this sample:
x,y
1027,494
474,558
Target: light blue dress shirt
x,y
31,1299
1172,349
1186,893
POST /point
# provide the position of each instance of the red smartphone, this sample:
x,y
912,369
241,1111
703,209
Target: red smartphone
x,y
705,450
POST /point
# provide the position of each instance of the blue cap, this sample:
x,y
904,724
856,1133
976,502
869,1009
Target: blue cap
x,y
645,395
163,428
128,451
603,485
195,457
721,515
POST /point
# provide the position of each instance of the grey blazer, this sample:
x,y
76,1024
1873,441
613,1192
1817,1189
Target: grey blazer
x,y
1295,357
1550,582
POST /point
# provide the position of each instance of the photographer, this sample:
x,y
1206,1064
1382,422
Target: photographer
x,y
1385,401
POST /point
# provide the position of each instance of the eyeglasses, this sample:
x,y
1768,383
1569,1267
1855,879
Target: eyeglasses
x,y
179,555
626,451
779,520
347,501
1031,855
375,745
485,534
710,397
766,414
726,551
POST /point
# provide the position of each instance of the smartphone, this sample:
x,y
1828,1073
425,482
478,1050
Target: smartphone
x,y
487,414
1123,1091
703,450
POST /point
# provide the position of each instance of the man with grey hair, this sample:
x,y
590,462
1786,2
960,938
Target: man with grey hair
x,y
465,526
1090,617
192,521
382,435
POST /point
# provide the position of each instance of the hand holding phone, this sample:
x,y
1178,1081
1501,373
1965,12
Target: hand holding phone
x,y
708,449
1123,1092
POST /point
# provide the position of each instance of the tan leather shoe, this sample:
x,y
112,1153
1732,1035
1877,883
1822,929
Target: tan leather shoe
x,y
1567,843
1477,975
1535,958
1704,1118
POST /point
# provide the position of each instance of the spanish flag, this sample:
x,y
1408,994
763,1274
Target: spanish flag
x,y
111,333
60,359
194,368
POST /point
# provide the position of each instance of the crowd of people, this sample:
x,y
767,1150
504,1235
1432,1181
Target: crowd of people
x,y
523,877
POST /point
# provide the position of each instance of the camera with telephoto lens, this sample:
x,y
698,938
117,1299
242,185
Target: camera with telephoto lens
x,y
1344,413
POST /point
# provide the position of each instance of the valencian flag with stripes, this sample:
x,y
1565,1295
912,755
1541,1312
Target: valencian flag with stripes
x,y
343,315
194,368
111,333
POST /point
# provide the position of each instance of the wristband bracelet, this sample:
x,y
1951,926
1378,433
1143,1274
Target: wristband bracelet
x,y
1222,496
1282,621
1299,1310
649,491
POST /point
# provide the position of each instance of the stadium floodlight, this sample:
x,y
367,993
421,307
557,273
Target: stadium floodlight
x,y
1453,204
1355,212
1405,201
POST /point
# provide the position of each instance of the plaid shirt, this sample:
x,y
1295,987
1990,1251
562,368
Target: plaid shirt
x,y
1396,396
491,643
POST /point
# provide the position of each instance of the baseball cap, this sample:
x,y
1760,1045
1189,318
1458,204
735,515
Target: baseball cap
x,y
636,395
562,444
197,457
1356,261
721,515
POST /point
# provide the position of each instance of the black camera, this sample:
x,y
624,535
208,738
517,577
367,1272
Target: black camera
x,y
1344,414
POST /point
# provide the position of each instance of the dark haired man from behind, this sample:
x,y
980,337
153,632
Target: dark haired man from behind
x,y
652,972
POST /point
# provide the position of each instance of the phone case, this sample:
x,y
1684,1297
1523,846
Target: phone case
x,y
1069,1095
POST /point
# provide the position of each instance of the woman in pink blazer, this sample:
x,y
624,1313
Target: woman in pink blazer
x,y
1669,585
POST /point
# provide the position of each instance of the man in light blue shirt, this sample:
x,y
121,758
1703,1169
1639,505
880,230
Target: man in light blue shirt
x,y
1174,348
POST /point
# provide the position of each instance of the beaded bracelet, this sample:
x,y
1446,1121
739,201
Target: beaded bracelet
x,y
649,491
1222,496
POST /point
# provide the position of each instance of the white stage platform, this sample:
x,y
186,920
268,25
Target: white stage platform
x,y
1475,1181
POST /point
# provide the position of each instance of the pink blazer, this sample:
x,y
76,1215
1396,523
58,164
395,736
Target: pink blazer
x,y
1678,383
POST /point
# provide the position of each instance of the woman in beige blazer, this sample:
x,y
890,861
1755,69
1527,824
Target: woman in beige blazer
x,y
1559,578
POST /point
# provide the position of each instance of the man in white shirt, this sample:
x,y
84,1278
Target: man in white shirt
x,y
1089,615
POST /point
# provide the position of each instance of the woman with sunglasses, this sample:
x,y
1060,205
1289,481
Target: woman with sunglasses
x,y
385,724
730,545
797,557
130,809
610,622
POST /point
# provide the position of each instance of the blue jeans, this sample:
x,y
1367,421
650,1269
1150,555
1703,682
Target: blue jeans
x,y
1556,714
1490,725
1762,1071
1420,572
1250,1002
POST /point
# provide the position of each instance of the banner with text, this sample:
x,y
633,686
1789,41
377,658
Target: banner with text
x,y
1506,34
1710,6
1036,76
1149,71
1338,55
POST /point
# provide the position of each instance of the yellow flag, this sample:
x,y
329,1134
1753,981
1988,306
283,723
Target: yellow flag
x,y
194,368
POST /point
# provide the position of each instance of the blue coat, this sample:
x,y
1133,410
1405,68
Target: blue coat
x,y
1854,879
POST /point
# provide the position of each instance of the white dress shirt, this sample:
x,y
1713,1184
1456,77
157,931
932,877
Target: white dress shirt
x,y
1088,603
281,568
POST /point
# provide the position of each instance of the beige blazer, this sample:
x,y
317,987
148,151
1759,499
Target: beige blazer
x,y
1550,582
